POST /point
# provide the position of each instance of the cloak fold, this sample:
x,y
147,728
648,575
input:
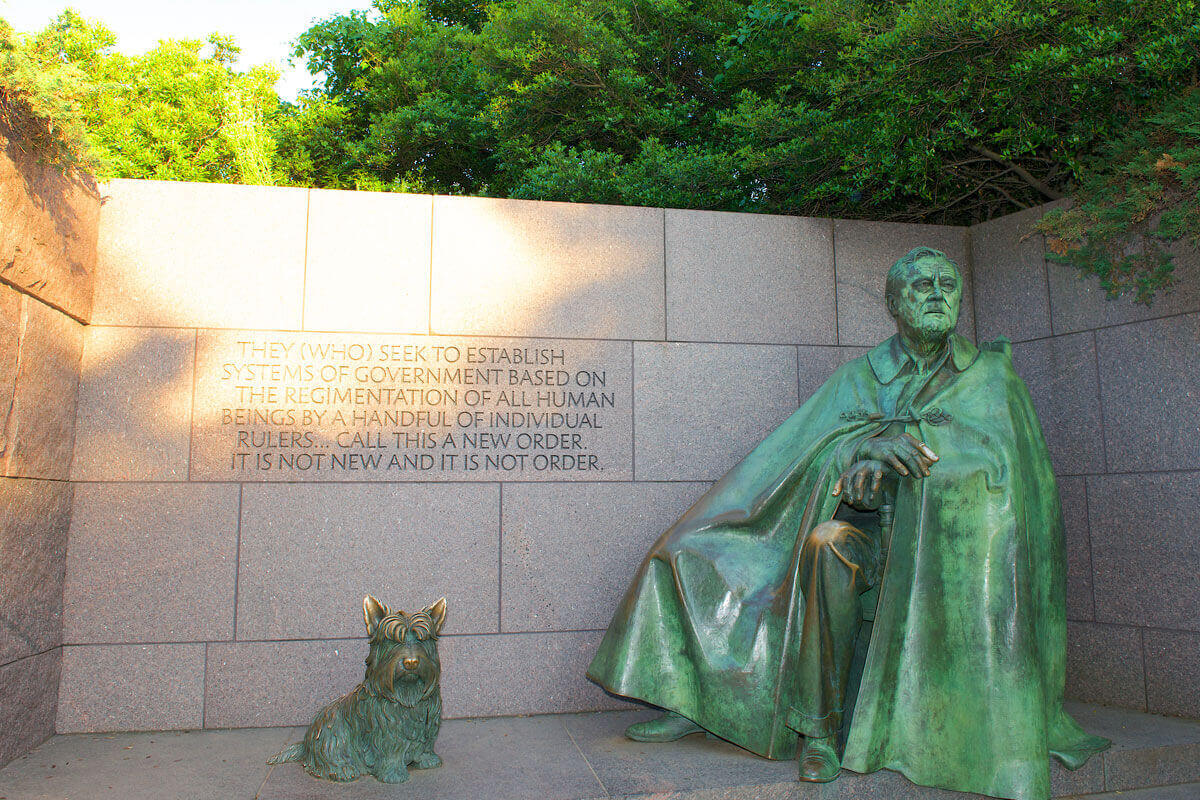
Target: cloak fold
x,y
963,681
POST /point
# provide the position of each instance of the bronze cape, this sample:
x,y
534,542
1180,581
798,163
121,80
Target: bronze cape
x,y
962,686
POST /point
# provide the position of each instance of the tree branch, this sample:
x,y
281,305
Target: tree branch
x,y
1025,176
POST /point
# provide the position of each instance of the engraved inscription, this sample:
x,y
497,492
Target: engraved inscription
x,y
286,406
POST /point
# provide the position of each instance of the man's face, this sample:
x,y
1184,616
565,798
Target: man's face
x,y
925,304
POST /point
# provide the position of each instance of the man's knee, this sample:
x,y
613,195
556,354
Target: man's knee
x,y
830,533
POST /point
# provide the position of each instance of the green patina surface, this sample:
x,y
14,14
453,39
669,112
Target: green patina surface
x,y
962,685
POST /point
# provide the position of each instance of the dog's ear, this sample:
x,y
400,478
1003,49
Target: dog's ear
x,y
373,612
437,613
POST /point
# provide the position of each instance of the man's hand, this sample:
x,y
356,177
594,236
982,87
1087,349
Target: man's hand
x,y
902,453
862,484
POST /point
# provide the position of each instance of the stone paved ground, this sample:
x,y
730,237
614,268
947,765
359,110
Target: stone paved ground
x,y
553,757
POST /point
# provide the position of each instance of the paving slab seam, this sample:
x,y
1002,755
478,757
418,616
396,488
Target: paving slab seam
x,y
615,339
583,755
266,778
20,289
237,563
304,258
39,478
1174,471
30,655
203,482
192,406
141,643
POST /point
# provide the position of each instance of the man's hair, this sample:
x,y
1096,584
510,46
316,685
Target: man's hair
x,y
899,271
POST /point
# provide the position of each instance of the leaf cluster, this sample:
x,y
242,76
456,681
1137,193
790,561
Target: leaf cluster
x,y
42,96
179,112
946,111
1138,207
950,111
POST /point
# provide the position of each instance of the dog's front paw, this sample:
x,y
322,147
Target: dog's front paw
x,y
336,773
391,772
427,761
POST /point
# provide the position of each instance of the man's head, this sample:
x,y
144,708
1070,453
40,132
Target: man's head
x,y
923,292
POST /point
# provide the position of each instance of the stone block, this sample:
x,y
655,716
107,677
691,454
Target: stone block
x,y
1150,390
148,687
48,231
1147,750
180,254
699,408
367,263
151,563
756,278
1133,731
12,304
1079,303
28,703
512,757
1145,552
1173,672
1088,779
1008,262
521,673
817,364
367,407
531,268
699,768
1104,665
133,419
863,253
286,683
1061,375
570,550
1073,493
626,767
42,421
33,554
181,765
1180,791
1160,767
309,553
261,684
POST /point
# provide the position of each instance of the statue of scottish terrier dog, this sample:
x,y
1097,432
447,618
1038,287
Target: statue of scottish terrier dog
x,y
391,720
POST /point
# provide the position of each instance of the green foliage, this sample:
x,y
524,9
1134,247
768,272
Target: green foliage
x,y
497,106
41,98
1137,204
179,112
940,110
398,109
949,111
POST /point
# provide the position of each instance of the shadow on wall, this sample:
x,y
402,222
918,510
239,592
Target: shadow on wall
x,y
183,265
48,228
181,262
186,264
528,268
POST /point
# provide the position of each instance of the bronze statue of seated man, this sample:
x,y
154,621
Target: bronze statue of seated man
x,y
913,489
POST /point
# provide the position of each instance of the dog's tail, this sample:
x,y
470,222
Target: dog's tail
x,y
293,752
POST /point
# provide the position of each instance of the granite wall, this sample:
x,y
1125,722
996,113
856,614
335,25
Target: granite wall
x,y
1117,387
47,256
227,522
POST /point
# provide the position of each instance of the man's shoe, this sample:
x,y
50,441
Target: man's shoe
x,y
819,763
667,728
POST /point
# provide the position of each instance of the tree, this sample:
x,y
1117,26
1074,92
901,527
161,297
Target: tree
x,y
1136,204
179,112
950,111
947,111
41,104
